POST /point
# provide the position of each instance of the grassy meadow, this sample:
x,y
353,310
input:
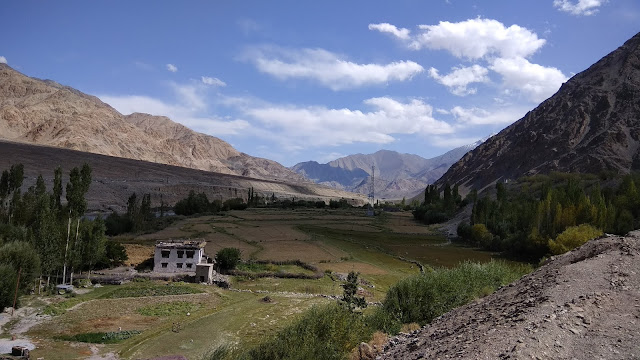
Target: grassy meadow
x,y
192,319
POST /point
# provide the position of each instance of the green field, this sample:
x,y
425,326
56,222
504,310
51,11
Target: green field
x,y
191,319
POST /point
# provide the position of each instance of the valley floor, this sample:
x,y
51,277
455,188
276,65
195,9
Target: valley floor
x,y
191,319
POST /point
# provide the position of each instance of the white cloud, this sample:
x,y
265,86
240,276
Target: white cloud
x,y
3,60
172,68
504,50
536,81
321,126
582,7
189,110
478,38
458,80
328,68
478,116
325,158
190,96
213,81
401,33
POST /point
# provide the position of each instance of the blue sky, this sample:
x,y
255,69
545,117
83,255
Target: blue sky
x,y
300,80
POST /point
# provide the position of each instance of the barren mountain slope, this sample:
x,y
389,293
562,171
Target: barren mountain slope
x,y
46,113
207,152
582,305
591,124
115,179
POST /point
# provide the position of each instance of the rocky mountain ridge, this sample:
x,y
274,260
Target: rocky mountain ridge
x,y
43,112
396,175
591,124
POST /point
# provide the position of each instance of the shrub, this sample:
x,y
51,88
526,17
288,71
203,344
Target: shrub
x,y
101,337
422,298
227,259
324,332
573,237
481,235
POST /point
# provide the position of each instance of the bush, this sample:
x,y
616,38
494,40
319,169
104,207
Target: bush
x,y
481,235
227,259
326,332
101,337
422,298
234,204
573,237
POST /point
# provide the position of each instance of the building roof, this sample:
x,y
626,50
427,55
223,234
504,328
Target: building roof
x,y
181,244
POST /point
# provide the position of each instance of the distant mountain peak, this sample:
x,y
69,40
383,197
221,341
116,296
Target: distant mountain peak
x,y
397,175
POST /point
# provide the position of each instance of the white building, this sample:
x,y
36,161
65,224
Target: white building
x,y
179,256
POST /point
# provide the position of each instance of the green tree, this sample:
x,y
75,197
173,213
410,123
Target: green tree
x,y
227,259
57,190
8,278
350,299
23,258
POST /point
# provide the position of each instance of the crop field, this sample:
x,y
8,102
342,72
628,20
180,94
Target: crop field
x,y
157,318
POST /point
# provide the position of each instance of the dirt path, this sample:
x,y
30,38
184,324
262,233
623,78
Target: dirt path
x,y
582,305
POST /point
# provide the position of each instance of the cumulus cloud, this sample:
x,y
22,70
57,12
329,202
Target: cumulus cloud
x,y
321,126
503,49
535,81
478,38
458,80
329,69
213,81
479,116
401,33
580,8
3,60
172,68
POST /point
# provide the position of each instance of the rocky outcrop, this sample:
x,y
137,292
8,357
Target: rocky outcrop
x,y
581,305
41,112
591,124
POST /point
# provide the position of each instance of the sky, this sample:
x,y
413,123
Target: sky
x,y
296,80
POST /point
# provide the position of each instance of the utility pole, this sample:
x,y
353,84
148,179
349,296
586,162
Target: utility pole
x,y
372,191
15,296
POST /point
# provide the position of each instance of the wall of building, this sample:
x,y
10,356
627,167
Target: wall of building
x,y
168,260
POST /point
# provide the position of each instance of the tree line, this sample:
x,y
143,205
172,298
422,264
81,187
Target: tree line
x,y
541,215
42,236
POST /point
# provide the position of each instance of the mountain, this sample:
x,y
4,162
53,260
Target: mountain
x,y
116,178
396,175
572,307
43,112
591,124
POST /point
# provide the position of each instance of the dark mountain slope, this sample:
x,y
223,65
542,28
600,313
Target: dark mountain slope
x,y
591,124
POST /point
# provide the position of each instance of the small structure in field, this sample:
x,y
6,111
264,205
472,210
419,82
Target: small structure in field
x,y
183,257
